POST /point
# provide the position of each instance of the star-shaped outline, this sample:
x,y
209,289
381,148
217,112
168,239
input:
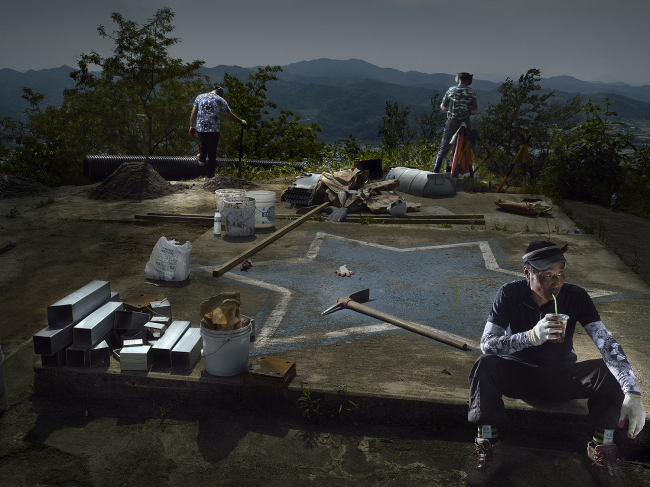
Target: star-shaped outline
x,y
265,334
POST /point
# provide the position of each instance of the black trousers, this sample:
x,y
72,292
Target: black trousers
x,y
493,377
451,127
208,143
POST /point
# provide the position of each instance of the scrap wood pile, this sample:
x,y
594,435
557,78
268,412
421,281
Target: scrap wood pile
x,y
347,189
90,325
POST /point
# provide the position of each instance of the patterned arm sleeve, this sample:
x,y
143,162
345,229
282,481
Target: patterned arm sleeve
x,y
613,356
496,341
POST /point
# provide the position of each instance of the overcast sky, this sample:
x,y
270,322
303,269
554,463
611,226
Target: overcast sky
x,y
602,40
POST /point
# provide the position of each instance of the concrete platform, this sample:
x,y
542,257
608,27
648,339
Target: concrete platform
x,y
440,277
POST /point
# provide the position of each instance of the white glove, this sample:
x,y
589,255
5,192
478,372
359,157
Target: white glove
x,y
343,272
543,331
632,408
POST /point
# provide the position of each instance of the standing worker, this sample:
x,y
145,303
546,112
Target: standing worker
x,y
525,357
459,102
205,120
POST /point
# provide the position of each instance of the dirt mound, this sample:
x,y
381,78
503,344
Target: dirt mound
x,y
17,186
134,181
222,182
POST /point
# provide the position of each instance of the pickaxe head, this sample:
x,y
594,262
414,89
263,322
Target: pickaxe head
x,y
358,297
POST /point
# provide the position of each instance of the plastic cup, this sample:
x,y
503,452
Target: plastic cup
x,y
562,321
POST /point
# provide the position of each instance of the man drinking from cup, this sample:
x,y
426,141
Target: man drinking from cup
x,y
525,358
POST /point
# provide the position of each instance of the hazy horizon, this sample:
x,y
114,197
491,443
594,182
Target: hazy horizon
x,y
591,40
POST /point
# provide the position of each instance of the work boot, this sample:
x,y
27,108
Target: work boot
x,y
489,461
600,461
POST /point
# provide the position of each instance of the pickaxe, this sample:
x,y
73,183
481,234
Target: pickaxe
x,y
352,302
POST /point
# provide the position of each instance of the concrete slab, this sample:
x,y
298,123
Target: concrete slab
x,y
440,277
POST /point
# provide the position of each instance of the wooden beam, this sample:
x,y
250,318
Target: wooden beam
x,y
269,240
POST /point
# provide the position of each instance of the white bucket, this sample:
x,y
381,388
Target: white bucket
x,y
239,216
220,194
226,352
264,208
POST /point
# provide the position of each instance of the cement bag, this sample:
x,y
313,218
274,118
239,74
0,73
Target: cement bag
x,y
169,261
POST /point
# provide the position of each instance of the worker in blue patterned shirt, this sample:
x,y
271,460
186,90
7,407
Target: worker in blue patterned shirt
x,y
205,121
459,102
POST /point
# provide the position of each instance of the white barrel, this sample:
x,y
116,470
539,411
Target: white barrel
x,y
264,208
3,385
239,216
220,194
226,352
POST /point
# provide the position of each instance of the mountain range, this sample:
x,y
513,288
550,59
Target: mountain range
x,y
346,96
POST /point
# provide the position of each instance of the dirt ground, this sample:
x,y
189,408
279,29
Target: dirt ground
x,y
50,242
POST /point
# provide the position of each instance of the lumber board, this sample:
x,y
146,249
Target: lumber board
x,y
269,240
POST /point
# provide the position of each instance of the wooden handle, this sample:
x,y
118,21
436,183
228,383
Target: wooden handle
x,y
407,325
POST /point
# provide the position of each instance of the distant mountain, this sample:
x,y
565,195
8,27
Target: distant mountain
x,y
346,96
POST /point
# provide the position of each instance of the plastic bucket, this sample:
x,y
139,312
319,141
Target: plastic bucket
x,y
239,216
3,385
220,194
226,352
264,208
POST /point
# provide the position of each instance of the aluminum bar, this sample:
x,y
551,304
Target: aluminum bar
x,y
187,351
161,351
56,360
92,329
50,341
130,320
79,304
100,353
135,358
77,356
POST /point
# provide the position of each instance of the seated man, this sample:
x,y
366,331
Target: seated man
x,y
524,358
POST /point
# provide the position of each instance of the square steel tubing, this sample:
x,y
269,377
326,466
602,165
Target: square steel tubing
x,y
161,351
50,341
79,304
188,350
130,320
100,353
156,330
56,360
77,356
161,308
135,358
92,329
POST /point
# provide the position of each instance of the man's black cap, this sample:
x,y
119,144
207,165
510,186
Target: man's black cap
x,y
543,254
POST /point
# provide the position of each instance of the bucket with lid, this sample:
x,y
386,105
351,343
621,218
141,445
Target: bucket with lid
x,y
238,216
264,208
220,194
226,352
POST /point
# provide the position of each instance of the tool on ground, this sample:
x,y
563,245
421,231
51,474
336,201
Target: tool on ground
x,y
269,240
525,162
343,271
463,156
353,302
336,214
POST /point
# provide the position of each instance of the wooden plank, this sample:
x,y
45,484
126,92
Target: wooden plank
x,y
269,240
176,219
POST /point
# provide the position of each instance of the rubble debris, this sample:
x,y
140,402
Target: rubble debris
x,y
18,186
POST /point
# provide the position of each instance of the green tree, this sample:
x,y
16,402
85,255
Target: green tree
x,y
523,108
587,160
280,137
395,130
432,124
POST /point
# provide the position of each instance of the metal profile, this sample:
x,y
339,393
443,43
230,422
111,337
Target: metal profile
x,y
50,341
100,353
156,330
163,320
161,351
135,358
129,335
130,320
188,350
115,297
79,304
78,356
161,308
92,329
135,342
56,360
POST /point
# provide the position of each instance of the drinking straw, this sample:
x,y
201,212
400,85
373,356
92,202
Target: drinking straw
x,y
555,301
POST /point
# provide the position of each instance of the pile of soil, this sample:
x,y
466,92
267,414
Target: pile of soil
x,y
134,181
17,186
223,182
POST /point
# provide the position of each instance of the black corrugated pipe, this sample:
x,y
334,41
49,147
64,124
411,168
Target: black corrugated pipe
x,y
171,168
